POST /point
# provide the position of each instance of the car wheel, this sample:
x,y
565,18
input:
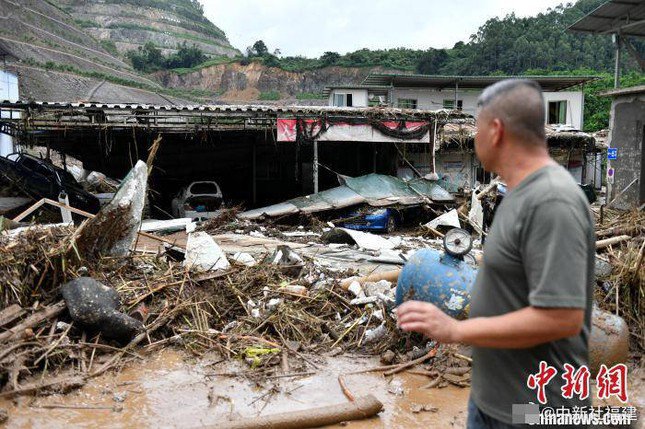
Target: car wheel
x,y
391,225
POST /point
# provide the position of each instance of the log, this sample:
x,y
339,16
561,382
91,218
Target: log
x,y
62,384
620,230
390,276
601,244
362,408
18,331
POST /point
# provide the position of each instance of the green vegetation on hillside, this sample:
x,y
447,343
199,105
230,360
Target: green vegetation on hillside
x,y
148,58
270,95
539,45
508,45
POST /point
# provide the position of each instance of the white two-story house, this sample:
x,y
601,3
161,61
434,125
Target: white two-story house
x,y
563,95
563,107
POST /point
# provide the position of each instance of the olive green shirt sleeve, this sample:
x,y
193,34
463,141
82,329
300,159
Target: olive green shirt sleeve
x,y
554,251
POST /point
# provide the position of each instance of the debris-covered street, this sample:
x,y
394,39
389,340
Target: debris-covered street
x,y
340,225
235,318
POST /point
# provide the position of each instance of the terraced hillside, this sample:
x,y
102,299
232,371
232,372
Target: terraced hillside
x,y
55,60
129,24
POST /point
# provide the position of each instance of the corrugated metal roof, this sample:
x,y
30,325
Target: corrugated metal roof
x,y
376,190
624,16
216,108
640,89
548,83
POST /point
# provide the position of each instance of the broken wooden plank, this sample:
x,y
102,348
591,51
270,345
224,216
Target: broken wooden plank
x,y
82,213
29,211
10,314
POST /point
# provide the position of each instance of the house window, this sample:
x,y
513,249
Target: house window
x,y
343,100
557,112
450,104
407,103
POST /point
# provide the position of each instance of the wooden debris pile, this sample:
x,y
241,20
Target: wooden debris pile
x,y
262,315
621,243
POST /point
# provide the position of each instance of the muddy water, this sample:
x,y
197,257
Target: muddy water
x,y
171,390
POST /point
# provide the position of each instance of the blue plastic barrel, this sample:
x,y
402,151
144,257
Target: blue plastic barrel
x,y
441,279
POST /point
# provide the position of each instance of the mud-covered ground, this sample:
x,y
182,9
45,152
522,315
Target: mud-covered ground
x,y
169,389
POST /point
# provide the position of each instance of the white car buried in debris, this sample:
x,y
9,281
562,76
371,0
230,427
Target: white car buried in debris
x,y
199,200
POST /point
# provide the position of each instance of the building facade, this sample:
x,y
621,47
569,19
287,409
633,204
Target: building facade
x,y
563,95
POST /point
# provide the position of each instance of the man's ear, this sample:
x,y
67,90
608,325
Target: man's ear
x,y
497,132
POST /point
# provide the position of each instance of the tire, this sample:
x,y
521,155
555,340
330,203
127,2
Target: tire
x,y
391,225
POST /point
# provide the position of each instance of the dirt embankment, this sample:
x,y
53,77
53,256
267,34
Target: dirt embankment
x,y
237,82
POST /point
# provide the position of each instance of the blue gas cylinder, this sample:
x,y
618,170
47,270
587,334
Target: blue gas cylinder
x,y
439,278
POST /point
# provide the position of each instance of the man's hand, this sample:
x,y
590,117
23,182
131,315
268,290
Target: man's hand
x,y
428,320
523,328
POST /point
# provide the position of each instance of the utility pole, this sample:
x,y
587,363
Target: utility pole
x,y
617,42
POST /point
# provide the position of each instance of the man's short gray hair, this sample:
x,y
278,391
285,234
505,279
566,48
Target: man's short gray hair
x,y
519,104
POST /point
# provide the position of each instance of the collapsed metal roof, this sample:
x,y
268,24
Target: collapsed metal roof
x,y
376,190
626,17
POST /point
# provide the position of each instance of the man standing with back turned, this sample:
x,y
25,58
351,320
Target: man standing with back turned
x,y
531,302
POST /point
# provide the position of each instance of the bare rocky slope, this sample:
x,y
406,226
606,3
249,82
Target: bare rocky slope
x,y
130,24
234,82
58,57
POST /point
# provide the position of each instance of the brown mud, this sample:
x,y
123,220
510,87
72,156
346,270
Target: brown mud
x,y
170,389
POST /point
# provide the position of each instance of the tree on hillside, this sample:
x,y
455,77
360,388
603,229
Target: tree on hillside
x,y
259,49
149,58
431,61
329,58
146,58
186,56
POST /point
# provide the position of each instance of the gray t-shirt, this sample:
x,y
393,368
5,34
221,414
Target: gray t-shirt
x,y
540,252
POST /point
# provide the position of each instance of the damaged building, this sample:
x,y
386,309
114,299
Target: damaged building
x,y
260,155
454,159
256,154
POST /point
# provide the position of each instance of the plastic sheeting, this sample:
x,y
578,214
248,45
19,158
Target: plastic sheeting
x,y
374,189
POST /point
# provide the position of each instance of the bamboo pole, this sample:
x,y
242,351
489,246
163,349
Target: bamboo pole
x,y
601,244
362,408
